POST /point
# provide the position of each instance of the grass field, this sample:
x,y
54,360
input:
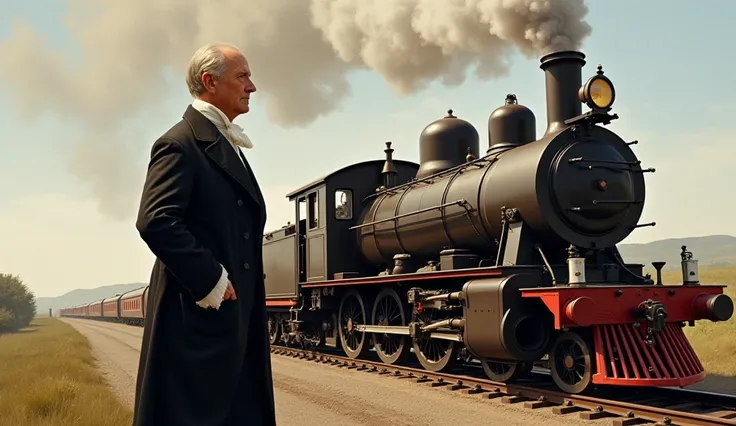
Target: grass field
x,y
47,378
715,342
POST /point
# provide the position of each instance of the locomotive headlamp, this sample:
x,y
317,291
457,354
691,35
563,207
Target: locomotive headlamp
x,y
598,92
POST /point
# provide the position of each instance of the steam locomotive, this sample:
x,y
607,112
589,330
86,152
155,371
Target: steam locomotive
x,y
508,258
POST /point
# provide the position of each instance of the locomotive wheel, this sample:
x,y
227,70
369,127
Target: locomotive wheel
x,y
389,311
570,363
506,371
274,328
352,312
435,355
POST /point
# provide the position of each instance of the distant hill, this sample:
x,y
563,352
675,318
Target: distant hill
x,y
79,296
710,251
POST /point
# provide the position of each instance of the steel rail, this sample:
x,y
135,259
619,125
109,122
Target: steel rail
x,y
680,408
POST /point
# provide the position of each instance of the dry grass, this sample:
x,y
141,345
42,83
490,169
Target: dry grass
x,y
713,341
48,378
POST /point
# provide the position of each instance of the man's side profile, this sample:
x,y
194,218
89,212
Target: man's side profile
x,y
205,357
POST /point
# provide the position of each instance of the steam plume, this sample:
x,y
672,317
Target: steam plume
x,y
300,52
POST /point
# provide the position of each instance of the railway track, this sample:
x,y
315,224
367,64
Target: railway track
x,y
669,407
637,406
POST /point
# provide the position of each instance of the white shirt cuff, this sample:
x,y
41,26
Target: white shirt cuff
x,y
214,299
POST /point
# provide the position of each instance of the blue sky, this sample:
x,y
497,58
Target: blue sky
x,y
669,60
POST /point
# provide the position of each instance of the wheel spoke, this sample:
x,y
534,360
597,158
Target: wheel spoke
x,y
350,315
388,311
571,363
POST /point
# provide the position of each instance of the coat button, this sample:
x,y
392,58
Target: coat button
x,y
246,265
246,236
240,202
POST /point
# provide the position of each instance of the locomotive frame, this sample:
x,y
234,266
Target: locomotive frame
x,y
508,258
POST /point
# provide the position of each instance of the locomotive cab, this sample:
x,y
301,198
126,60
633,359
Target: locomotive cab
x,y
320,246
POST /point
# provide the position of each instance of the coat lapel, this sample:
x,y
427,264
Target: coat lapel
x,y
221,152
259,199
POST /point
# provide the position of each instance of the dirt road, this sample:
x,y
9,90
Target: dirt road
x,y
312,394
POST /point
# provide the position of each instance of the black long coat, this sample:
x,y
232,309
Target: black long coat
x,y
201,208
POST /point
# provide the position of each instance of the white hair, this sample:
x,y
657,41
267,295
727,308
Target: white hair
x,y
207,59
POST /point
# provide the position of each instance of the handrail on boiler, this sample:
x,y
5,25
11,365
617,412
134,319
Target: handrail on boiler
x,y
463,203
429,179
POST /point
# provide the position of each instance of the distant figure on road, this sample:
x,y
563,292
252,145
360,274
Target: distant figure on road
x,y
205,358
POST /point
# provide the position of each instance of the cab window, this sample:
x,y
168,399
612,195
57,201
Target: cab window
x,y
313,210
343,204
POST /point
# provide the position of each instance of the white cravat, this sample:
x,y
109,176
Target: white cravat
x,y
232,131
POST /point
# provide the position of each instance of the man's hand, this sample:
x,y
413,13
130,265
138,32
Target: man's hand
x,y
229,292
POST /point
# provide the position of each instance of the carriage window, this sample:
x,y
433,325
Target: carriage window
x,y
313,210
343,204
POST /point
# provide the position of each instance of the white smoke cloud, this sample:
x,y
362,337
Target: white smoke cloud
x,y
412,42
300,53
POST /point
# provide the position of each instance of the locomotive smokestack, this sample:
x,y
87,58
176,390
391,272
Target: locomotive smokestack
x,y
563,78
389,171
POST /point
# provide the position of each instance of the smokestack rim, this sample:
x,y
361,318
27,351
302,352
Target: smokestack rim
x,y
552,57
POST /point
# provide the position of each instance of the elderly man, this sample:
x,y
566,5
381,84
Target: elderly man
x,y
205,357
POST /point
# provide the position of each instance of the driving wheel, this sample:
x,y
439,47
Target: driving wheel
x,y
352,313
274,328
389,311
506,371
